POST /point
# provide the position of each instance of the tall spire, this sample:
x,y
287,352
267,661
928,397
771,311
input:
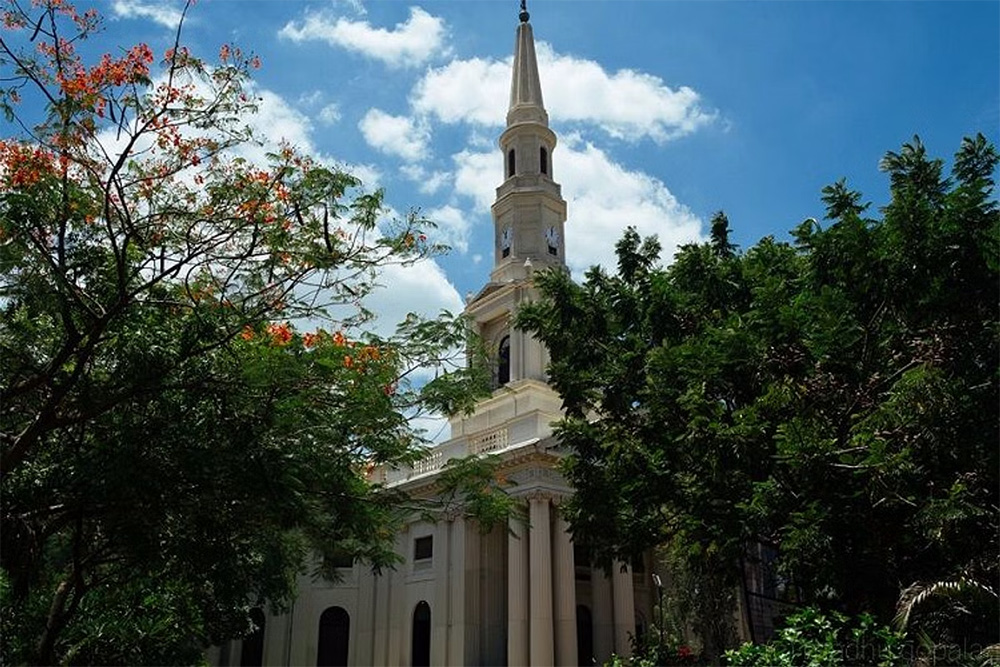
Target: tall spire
x,y
525,87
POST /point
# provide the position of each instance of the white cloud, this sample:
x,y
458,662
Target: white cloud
x,y
395,135
477,175
452,227
603,198
330,114
625,104
410,43
167,14
276,121
428,182
420,288
474,91
311,98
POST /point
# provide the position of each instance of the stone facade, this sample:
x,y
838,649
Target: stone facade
x,y
515,595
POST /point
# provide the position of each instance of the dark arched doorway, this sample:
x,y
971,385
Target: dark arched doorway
x,y
334,636
252,650
420,646
584,636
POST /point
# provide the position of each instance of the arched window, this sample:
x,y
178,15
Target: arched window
x,y
252,651
503,362
510,163
543,160
584,636
420,645
334,635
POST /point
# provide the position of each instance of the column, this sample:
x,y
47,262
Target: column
x,y
541,582
380,654
516,355
517,594
400,609
604,628
624,606
457,566
364,636
565,593
439,610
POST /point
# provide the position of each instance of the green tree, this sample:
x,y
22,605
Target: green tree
x,y
835,396
189,402
813,638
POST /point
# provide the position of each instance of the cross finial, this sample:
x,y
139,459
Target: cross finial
x,y
524,11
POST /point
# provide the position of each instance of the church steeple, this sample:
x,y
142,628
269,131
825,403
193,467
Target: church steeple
x,y
525,87
529,212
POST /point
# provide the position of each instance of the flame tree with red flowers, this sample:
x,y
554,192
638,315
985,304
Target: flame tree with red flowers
x,y
173,443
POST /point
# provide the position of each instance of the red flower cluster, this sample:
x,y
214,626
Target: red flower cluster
x,y
281,334
22,166
86,84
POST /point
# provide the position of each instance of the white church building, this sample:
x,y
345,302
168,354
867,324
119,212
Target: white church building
x,y
516,595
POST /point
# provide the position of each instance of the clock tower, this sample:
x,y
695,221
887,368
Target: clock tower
x,y
529,212
528,223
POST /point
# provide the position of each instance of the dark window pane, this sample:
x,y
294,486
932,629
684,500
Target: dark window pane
x,y
423,547
503,362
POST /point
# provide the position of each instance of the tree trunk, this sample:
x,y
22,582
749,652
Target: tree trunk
x,y
53,625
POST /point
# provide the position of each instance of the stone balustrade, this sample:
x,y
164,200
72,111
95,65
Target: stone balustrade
x,y
489,442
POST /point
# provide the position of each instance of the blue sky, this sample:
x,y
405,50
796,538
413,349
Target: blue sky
x,y
665,111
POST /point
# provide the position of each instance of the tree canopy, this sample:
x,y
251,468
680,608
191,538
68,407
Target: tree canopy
x,y
834,396
189,399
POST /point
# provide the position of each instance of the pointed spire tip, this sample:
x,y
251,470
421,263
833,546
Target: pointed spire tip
x,y
524,16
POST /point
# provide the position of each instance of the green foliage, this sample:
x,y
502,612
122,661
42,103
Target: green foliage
x,y
474,486
835,396
189,403
810,637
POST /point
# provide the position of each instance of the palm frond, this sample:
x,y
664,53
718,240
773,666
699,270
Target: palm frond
x,y
917,593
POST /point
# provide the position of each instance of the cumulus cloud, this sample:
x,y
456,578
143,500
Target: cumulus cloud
x,y
473,91
421,288
166,14
452,227
409,43
625,104
603,198
330,114
395,135
428,181
477,175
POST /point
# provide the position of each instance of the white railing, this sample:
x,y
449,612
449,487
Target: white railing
x,y
491,441
429,463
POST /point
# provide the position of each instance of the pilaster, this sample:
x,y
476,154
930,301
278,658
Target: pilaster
x,y
565,594
442,582
458,566
541,631
517,594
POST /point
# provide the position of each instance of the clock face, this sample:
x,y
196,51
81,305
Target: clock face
x,y
506,236
552,238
